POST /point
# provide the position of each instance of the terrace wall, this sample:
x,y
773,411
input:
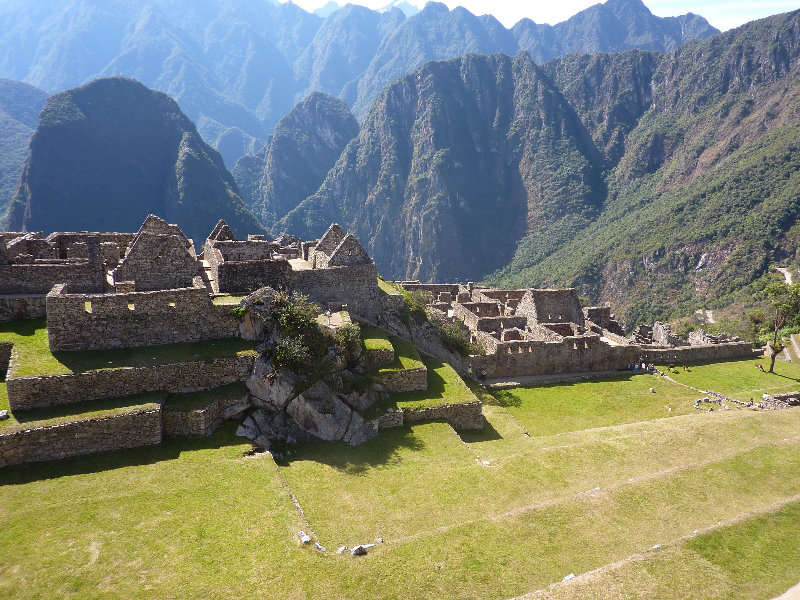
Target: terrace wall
x,y
460,416
709,352
102,321
407,380
250,275
84,436
53,390
5,355
200,421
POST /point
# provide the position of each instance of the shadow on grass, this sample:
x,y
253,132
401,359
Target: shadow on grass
x,y
169,449
380,451
487,434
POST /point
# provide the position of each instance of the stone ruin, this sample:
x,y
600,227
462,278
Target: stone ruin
x,y
547,331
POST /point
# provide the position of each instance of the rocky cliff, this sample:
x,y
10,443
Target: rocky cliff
x,y
304,146
453,164
107,154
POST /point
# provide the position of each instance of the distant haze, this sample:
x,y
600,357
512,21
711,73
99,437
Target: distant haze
x,y
722,14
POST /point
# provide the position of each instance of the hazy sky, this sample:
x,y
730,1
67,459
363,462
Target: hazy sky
x,y
722,14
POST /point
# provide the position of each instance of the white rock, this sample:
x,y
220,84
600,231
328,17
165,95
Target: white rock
x,y
304,537
342,549
569,577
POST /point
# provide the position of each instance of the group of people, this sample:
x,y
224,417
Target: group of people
x,y
642,366
481,374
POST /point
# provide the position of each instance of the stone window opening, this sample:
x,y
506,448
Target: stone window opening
x,y
586,345
172,304
575,346
87,306
131,306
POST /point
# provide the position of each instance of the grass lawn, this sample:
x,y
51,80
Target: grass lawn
x,y
741,379
557,408
387,287
227,299
4,406
375,338
495,516
405,356
33,356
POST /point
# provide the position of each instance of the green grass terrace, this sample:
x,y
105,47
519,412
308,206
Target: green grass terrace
x,y
32,356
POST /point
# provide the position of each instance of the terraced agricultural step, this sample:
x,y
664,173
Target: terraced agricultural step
x,y
407,373
114,424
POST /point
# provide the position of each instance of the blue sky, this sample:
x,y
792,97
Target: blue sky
x,y
722,14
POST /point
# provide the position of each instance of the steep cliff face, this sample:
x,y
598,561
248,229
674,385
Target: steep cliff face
x,y
20,104
609,92
107,154
305,145
453,165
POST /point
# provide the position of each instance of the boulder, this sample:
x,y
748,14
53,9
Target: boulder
x,y
270,387
358,551
361,401
304,537
319,412
233,411
359,431
263,442
247,429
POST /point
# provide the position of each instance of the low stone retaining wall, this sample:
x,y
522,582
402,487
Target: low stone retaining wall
x,y
139,427
709,352
5,355
407,380
26,307
392,418
200,421
37,392
460,416
378,358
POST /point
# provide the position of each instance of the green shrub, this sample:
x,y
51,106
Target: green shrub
x,y
291,354
239,312
414,304
349,338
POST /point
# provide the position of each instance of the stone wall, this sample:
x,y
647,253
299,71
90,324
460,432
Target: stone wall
x,y
39,278
710,353
460,416
551,306
356,286
248,276
158,262
13,308
102,321
250,250
573,354
102,433
37,392
5,355
200,421
407,380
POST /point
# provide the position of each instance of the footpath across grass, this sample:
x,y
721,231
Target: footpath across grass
x,y
741,379
33,356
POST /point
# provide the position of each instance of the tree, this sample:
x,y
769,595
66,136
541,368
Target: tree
x,y
785,299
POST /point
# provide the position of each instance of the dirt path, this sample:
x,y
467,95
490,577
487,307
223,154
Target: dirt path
x,y
786,274
792,594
